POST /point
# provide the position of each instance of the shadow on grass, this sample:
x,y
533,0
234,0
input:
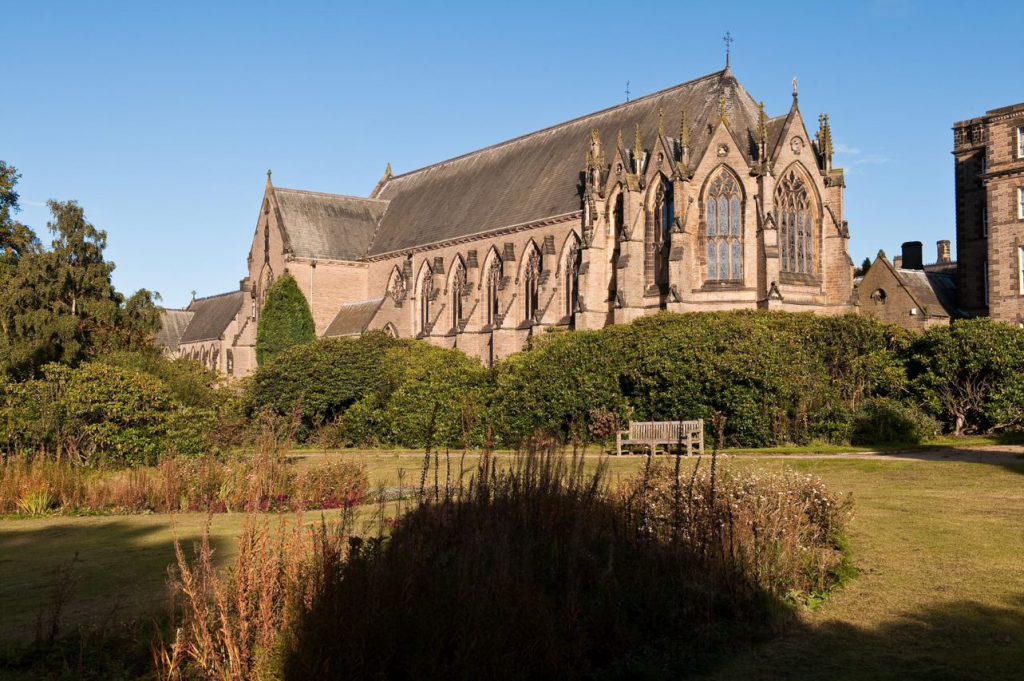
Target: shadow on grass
x,y
74,573
955,640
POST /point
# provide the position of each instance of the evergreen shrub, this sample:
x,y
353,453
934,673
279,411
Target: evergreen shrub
x,y
285,320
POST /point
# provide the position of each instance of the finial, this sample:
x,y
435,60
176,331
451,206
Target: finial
x,y
268,177
661,122
727,39
387,170
619,141
825,141
796,93
722,116
193,295
638,149
762,124
684,130
627,91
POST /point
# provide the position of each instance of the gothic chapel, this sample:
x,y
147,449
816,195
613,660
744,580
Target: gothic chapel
x,y
688,199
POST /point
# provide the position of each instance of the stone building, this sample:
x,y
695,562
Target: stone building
x,y
907,292
691,198
989,158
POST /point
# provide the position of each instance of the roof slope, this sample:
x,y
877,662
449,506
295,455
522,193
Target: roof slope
x,y
353,318
537,176
328,226
935,291
172,326
211,316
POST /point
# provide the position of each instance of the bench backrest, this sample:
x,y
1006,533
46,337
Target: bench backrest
x,y
664,431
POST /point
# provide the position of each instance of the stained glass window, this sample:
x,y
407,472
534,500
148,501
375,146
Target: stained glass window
x,y
724,229
796,224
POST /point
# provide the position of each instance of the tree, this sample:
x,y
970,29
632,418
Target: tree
x,y
59,305
863,269
15,238
285,320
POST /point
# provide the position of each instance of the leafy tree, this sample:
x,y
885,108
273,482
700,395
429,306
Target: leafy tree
x,y
15,238
971,374
59,305
863,269
285,321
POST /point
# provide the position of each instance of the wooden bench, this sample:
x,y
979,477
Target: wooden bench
x,y
686,436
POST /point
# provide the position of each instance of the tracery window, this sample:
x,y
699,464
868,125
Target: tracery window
x,y
796,224
531,285
572,270
664,215
494,275
426,291
724,215
230,362
458,291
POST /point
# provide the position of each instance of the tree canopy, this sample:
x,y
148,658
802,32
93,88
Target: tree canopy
x,y
59,304
285,320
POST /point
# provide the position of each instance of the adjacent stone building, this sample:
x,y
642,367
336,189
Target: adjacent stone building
x,y
907,292
989,157
691,198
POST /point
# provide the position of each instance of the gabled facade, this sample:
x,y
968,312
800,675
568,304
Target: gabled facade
x,y
910,294
688,199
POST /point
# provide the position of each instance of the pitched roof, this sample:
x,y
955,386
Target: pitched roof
x,y
211,316
328,226
935,291
353,318
537,176
172,326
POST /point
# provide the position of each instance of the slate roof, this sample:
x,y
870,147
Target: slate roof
x,y
172,326
935,291
537,176
353,318
211,316
328,226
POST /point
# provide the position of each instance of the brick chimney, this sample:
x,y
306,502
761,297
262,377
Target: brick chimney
x,y
897,262
945,254
913,255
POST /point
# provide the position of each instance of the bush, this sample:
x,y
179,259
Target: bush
x,y
970,375
285,320
884,421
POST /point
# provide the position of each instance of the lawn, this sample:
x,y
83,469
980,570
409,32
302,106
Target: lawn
x,y
939,545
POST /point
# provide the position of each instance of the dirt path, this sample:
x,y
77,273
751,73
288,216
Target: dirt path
x,y
992,454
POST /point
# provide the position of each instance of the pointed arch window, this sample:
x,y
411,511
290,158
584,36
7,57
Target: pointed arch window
x,y
572,270
796,224
531,285
458,292
230,362
664,217
494,275
724,216
426,292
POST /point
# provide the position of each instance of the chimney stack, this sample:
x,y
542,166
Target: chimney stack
x,y
945,255
913,255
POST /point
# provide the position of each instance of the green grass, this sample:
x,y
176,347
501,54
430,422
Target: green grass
x,y
939,546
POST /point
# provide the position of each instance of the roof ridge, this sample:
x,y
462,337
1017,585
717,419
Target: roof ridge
x,y
562,124
211,297
327,194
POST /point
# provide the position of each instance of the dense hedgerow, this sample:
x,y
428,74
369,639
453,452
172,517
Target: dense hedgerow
x,y
121,409
776,378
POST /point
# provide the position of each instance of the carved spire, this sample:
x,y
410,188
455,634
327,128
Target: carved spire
x,y
825,141
762,131
723,115
638,150
684,132
596,152
661,122
796,93
620,143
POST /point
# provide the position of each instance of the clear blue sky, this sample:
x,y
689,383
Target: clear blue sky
x,y
161,119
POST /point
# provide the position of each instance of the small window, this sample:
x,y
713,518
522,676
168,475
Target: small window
x,y
230,363
984,221
1020,203
1020,270
1020,142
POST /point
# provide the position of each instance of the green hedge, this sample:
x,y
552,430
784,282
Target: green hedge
x,y
115,411
776,378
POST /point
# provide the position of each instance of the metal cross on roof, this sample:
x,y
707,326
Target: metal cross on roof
x,y
727,39
627,90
